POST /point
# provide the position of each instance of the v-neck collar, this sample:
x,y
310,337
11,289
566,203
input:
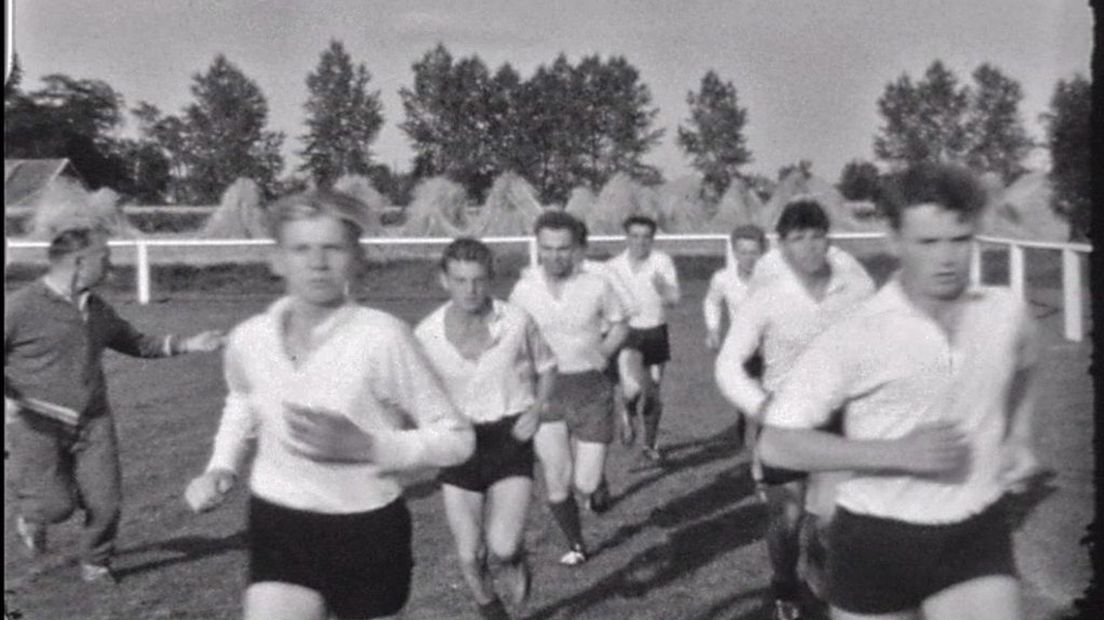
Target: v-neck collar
x,y
322,333
494,329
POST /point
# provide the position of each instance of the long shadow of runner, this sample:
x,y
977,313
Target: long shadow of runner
x,y
184,549
687,549
686,455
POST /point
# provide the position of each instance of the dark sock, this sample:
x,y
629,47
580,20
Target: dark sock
x,y
566,514
653,409
493,610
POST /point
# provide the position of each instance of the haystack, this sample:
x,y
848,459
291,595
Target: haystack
x,y
739,205
682,207
581,203
64,205
510,209
240,214
438,209
1023,211
375,203
798,184
620,198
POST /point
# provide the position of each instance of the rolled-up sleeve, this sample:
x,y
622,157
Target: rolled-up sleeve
x,y
124,338
401,378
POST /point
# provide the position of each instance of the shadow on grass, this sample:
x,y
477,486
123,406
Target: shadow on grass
x,y
692,543
686,455
184,548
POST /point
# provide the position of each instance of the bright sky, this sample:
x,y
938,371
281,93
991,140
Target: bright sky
x,y
809,72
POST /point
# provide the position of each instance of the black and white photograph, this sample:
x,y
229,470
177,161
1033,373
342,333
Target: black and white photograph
x,y
493,310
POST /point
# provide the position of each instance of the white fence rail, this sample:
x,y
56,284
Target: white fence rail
x,y
1072,288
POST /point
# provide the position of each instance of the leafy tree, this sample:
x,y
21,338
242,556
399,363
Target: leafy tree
x,y
859,180
714,135
168,135
1068,136
225,132
923,121
15,78
997,139
68,118
343,118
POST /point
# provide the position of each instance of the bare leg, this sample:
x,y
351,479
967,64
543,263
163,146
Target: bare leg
x,y
653,406
590,463
994,597
273,600
508,503
785,510
554,452
464,510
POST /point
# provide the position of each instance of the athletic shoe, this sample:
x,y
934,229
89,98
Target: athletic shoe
x,y
32,535
653,454
786,610
97,573
493,611
600,500
574,557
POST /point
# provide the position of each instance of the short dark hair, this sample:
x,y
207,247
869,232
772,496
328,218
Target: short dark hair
x,y
802,214
640,220
561,220
751,232
71,241
952,187
468,249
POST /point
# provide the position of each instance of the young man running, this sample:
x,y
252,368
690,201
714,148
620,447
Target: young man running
x,y
728,288
582,320
498,371
780,319
61,428
937,379
651,278
336,398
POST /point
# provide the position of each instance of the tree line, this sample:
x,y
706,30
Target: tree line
x,y
569,124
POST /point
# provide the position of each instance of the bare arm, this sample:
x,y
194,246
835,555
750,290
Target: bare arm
x,y
744,336
928,450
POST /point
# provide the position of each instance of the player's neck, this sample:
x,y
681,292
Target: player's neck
x,y
63,282
464,317
303,314
815,283
945,312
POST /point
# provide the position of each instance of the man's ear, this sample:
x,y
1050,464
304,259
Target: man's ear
x,y
276,263
442,278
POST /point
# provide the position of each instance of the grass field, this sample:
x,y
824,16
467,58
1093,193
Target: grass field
x,y
682,542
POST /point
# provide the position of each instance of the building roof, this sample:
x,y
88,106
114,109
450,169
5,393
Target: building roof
x,y
25,179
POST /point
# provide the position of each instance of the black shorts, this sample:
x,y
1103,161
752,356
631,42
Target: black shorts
x,y
653,343
498,455
880,566
584,400
361,563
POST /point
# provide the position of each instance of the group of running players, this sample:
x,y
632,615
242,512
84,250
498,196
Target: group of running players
x,y
896,418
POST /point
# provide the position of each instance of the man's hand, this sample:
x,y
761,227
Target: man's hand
x,y
324,435
527,423
1018,466
203,342
662,286
931,450
713,339
208,490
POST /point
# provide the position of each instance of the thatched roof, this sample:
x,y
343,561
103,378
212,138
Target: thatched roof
x,y
375,203
739,205
798,184
26,179
580,203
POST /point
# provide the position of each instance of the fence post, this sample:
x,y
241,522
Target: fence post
x,y
142,271
730,257
1016,278
975,264
532,243
1071,294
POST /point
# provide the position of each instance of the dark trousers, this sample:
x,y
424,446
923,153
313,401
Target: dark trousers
x,y
57,469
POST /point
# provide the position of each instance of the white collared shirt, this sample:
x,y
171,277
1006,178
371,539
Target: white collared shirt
x,y
368,367
895,369
780,318
727,290
573,322
501,381
637,279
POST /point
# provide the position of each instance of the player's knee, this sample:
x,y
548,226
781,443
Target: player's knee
x,y
54,507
